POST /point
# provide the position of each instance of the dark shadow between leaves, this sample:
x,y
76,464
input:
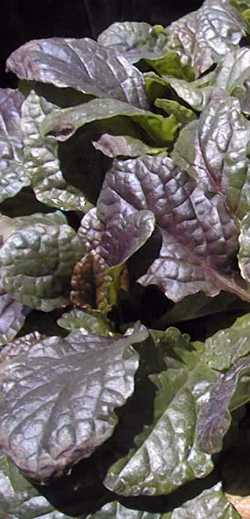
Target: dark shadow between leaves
x,y
82,165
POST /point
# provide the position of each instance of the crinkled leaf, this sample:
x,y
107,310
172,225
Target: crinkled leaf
x,y
88,323
64,123
244,251
65,391
167,454
12,317
227,351
114,146
117,511
214,417
135,40
81,64
191,414
105,238
19,499
214,150
13,174
19,346
234,76
42,162
205,36
96,285
211,503
199,235
182,114
37,260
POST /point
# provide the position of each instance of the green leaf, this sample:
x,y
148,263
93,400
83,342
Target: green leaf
x,y
172,65
196,94
211,504
65,390
13,175
191,411
166,454
36,261
42,162
64,123
19,499
182,114
88,323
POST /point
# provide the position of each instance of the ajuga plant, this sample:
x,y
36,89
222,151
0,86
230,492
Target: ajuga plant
x,y
125,271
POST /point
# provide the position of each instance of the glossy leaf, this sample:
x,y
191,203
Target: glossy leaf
x,y
81,64
182,114
64,123
42,162
211,503
105,238
37,260
19,499
135,40
166,454
13,174
196,94
234,76
88,323
19,346
191,411
205,36
187,217
66,391
12,317
124,146
214,150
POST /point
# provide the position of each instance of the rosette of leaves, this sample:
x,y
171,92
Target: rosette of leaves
x,y
125,198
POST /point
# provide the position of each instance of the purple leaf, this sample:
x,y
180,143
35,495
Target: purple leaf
x,y
81,64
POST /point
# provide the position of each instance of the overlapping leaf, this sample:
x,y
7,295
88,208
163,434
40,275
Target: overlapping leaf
x,y
36,261
135,40
199,235
12,317
196,94
19,499
214,150
81,64
42,164
234,76
65,391
191,411
13,174
64,123
205,36
124,146
88,323
211,503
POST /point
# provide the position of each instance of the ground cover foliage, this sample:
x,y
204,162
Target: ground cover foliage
x,y
125,272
